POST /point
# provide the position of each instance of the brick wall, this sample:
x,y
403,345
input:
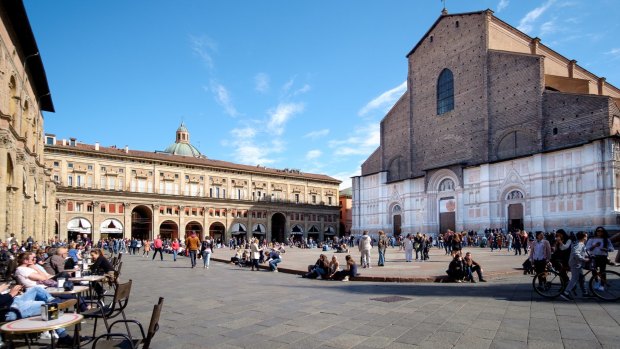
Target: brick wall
x,y
395,128
514,95
571,119
460,135
373,163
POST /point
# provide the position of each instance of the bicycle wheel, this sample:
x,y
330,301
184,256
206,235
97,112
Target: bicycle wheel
x,y
608,290
552,287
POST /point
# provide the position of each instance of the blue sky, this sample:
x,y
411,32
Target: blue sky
x,y
285,84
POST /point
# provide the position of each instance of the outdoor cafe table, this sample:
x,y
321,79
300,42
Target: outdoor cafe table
x,y
91,280
36,324
59,291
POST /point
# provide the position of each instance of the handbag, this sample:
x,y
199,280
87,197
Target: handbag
x,y
48,283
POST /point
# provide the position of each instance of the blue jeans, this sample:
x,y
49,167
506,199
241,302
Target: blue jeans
x,y
273,264
174,255
29,303
192,257
206,258
381,256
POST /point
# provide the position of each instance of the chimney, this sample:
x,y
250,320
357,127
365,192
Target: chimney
x,y
571,68
64,142
96,145
126,150
72,140
601,84
534,45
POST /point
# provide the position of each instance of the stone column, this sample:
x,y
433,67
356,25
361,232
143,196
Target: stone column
x,y
30,212
4,233
95,231
62,220
155,222
181,222
126,220
18,204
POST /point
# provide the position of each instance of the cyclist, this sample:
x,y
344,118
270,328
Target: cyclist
x,y
561,254
599,247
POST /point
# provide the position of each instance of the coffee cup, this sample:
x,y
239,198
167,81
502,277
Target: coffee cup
x,y
61,282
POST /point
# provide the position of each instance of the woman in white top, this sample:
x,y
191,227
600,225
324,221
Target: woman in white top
x,y
408,246
599,247
27,273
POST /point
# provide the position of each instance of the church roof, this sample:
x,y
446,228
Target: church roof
x,y
183,149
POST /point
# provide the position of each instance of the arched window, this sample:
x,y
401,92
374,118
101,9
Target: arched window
x,y
445,92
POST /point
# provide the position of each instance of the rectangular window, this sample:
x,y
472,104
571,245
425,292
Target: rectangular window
x,y
90,167
121,208
224,193
314,199
79,180
78,207
329,200
112,183
49,140
69,205
89,181
70,165
169,210
56,164
102,182
89,208
56,178
102,208
112,208
217,193
296,198
70,181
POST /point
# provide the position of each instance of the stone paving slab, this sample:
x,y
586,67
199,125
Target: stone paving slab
x,y
229,307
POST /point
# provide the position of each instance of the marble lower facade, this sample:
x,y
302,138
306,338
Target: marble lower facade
x,y
574,189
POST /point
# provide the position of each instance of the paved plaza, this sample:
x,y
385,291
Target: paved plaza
x,y
231,307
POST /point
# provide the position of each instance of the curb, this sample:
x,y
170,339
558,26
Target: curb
x,y
397,279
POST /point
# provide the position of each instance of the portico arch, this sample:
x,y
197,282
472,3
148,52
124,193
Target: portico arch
x,y
217,231
278,225
77,227
168,230
141,222
195,227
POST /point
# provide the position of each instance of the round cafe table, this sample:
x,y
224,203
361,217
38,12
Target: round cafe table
x,y
36,324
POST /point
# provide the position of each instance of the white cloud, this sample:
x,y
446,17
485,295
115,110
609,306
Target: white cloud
x,y
305,88
248,151
363,141
261,81
317,134
287,86
526,24
246,132
204,47
502,5
385,100
548,27
614,52
313,154
345,177
222,97
281,114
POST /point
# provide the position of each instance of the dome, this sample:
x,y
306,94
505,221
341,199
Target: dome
x,y
183,149
182,146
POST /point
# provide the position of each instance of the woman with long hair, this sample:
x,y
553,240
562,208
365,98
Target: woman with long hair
x,y
599,247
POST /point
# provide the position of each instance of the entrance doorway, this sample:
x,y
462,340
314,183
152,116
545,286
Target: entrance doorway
x,y
278,224
515,217
397,225
141,218
194,226
447,215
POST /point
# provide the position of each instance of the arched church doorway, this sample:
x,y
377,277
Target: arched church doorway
x,y
141,218
396,220
515,210
447,214
278,224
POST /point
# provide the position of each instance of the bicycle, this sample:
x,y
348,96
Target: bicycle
x,y
554,284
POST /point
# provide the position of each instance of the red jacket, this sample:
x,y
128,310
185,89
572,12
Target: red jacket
x,y
158,243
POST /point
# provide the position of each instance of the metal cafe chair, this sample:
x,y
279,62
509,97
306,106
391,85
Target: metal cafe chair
x,y
106,311
120,340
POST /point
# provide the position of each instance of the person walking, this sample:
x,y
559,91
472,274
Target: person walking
x,y
206,250
192,243
382,244
254,253
576,263
147,248
158,245
365,245
599,247
408,246
175,249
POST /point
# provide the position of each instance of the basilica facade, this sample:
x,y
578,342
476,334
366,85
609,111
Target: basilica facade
x,y
27,194
495,130
118,192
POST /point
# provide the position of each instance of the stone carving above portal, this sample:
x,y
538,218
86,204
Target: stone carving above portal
x,y
297,188
217,180
514,195
239,183
278,187
259,185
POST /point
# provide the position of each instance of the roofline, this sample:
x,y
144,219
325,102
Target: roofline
x,y
175,159
437,22
27,44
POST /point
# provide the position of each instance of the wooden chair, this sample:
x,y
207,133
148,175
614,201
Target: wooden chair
x,y
120,340
106,311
